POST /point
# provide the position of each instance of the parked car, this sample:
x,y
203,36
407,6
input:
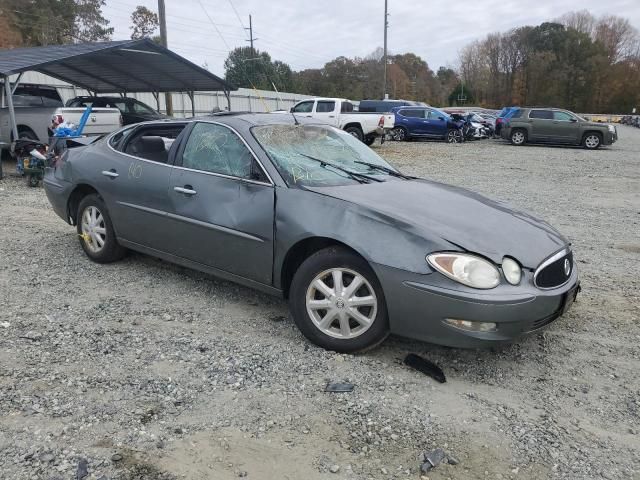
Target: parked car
x,y
34,106
385,106
553,125
307,212
131,109
426,122
340,113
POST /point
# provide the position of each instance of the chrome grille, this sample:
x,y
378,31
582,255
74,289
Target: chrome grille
x,y
555,271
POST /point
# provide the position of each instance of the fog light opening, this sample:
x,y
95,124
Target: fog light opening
x,y
470,326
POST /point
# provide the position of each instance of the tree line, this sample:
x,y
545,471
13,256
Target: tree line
x,y
578,62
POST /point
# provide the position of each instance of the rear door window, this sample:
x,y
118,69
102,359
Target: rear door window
x,y
411,113
325,106
562,116
541,114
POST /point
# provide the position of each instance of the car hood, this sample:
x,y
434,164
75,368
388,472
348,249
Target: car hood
x,y
458,216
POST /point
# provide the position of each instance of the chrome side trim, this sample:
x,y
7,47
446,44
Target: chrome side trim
x,y
213,226
556,256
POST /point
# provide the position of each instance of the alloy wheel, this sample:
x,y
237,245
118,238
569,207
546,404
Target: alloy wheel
x,y
341,303
592,141
94,231
400,134
454,136
517,138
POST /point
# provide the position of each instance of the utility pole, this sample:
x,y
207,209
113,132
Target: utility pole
x,y
251,39
386,26
163,40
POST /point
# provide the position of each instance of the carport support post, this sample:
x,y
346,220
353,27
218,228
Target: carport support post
x,y
12,112
156,95
227,94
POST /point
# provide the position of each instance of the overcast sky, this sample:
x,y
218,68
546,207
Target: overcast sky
x,y
307,34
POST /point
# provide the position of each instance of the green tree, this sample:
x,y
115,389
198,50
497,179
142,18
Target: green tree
x,y
145,22
54,22
249,68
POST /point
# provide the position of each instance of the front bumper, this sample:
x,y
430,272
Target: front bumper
x,y
611,137
419,304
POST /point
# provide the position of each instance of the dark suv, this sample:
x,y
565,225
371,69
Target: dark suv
x,y
552,125
425,122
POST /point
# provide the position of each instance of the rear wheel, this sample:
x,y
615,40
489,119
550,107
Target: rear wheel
x,y
591,141
338,303
97,237
400,134
356,132
518,137
369,139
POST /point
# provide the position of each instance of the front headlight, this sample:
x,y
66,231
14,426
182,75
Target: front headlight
x,y
512,271
611,128
467,269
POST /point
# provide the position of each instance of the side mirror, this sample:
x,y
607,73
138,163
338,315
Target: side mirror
x,y
573,120
291,110
440,118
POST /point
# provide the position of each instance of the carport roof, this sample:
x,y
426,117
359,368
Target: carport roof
x,y
111,67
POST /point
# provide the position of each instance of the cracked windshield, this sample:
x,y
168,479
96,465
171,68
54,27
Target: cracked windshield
x,y
317,155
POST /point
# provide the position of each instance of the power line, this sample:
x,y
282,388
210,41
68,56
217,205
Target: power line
x,y
214,25
238,15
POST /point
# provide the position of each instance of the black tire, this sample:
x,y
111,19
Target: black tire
x,y
369,139
317,264
454,135
518,137
356,132
592,140
111,251
33,180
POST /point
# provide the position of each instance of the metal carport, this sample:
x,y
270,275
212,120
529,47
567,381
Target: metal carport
x,y
125,66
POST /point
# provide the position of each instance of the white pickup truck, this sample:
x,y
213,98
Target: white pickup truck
x,y
35,104
339,112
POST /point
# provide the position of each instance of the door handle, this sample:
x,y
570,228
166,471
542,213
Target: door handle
x,y
110,173
187,190
332,116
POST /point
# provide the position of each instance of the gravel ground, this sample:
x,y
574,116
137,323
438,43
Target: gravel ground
x,y
145,370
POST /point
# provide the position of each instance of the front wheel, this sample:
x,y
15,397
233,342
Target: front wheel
x,y
338,303
454,136
591,141
97,237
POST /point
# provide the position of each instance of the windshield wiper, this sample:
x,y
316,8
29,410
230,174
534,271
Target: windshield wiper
x,y
359,177
382,168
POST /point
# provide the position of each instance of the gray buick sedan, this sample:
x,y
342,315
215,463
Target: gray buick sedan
x,y
307,212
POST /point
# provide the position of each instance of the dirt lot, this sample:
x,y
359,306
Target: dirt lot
x,y
144,370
